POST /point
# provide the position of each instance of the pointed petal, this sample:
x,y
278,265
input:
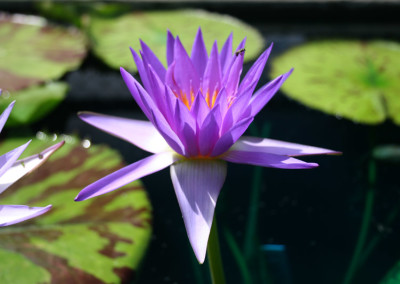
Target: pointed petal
x,y
209,132
231,136
212,74
5,114
199,53
263,95
140,67
199,108
131,84
265,145
170,47
232,78
141,133
197,184
226,54
149,57
130,173
25,166
266,160
185,73
8,159
12,214
254,74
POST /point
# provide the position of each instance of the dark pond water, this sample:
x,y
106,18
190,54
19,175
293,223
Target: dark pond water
x,y
315,213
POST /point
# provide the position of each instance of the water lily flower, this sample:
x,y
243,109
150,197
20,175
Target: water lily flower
x,y
197,111
12,170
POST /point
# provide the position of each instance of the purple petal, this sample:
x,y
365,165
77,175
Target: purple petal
x,y
149,57
12,214
185,74
5,114
131,83
199,53
263,95
25,166
231,136
170,48
265,145
199,108
127,174
197,184
186,128
8,159
225,55
232,78
209,132
253,75
141,133
141,69
212,76
266,160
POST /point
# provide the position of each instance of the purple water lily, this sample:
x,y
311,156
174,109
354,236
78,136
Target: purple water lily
x,y
12,170
197,113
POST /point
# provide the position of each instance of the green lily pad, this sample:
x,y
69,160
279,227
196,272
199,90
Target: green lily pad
x,y
101,240
32,52
111,38
33,103
351,79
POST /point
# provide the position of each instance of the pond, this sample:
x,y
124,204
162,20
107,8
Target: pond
x,y
308,221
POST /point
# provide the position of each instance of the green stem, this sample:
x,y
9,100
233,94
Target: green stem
x,y
214,256
251,229
237,254
369,201
375,241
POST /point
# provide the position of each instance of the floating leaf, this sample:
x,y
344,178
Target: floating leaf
x,y
100,240
33,103
78,13
32,52
113,37
351,79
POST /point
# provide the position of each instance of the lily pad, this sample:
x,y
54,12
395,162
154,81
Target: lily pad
x,y
351,79
33,103
101,240
111,38
32,51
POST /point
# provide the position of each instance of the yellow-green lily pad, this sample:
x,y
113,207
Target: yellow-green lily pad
x,y
33,51
352,79
33,103
112,37
100,240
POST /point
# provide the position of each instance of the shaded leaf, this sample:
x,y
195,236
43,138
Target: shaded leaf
x,y
101,240
351,79
79,13
33,103
32,52
111,38
389,153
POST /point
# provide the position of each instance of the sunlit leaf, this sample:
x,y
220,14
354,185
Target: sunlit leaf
x,y
33,103
101,240
111,38
32,51
351,79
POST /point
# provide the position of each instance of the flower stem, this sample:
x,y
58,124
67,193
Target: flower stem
x,y
369,201
214,256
